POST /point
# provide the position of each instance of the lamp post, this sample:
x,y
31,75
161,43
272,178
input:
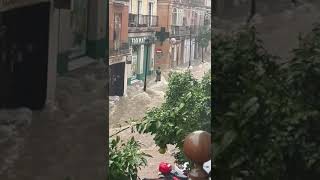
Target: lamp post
x,y
147,63
172,43
190,46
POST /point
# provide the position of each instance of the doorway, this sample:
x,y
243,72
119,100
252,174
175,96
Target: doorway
x,y
116,86
25,56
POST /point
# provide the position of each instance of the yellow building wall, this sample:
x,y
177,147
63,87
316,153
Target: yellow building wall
x,y
134,4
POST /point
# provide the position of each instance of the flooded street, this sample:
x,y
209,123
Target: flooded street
x,y
136,104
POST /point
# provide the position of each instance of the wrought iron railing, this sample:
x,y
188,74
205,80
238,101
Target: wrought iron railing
x,y
122,0
184,30
136,20
179,31
123,48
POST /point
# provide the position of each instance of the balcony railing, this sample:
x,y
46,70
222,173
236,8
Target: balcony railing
x,y
179,31
121,0
184,30
136,20
122,49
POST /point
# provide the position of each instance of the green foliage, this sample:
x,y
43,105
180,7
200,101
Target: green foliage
x,y
125,159
186,109
267,115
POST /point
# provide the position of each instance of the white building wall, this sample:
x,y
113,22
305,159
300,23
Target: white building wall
x,y
141,59
153,46
187,50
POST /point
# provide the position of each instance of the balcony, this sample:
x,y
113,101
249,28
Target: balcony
x,y
122,49
178,31
197,3
136,20
121,0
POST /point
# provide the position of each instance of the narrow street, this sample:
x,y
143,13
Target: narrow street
x,y
136,104
66,142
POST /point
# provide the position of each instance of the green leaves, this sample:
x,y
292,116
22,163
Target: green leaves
x,y
186,109
266,115
125,159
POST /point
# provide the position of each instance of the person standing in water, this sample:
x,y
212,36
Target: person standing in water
x,y
158,74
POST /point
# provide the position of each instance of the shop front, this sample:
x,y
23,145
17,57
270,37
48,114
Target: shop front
x,y
142,53
117,76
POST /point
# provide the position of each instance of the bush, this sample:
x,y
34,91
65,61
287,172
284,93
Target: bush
x,y
125,159
264,128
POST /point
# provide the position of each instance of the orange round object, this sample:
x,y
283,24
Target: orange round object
x,y
197,146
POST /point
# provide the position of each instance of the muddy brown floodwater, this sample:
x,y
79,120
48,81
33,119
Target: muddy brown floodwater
x,y
136,104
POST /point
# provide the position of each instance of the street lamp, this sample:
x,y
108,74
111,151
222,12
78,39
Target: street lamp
x,y
172,42
190,28
147,41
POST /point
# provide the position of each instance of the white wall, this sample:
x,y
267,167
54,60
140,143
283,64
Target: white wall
x,y
153,46
141,60
187,51
52,57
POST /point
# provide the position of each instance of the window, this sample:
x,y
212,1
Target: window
x,y
174,16
180,20
177,17
139,11
150,12
117,30
139,7
184,21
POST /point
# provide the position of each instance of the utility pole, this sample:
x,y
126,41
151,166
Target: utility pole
x,y
147,64
190,47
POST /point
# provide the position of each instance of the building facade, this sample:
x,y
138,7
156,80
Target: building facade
x,y
119,52
43,40
143,21
182,19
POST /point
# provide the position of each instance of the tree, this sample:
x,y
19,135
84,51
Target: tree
x,y
267,115
187,108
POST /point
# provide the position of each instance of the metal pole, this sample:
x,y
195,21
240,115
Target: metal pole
x,y
190,48
146,69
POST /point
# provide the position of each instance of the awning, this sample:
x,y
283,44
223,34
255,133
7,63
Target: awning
x,y
6,5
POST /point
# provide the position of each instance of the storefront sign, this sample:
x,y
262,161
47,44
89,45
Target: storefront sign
x,y
140,40
11,4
